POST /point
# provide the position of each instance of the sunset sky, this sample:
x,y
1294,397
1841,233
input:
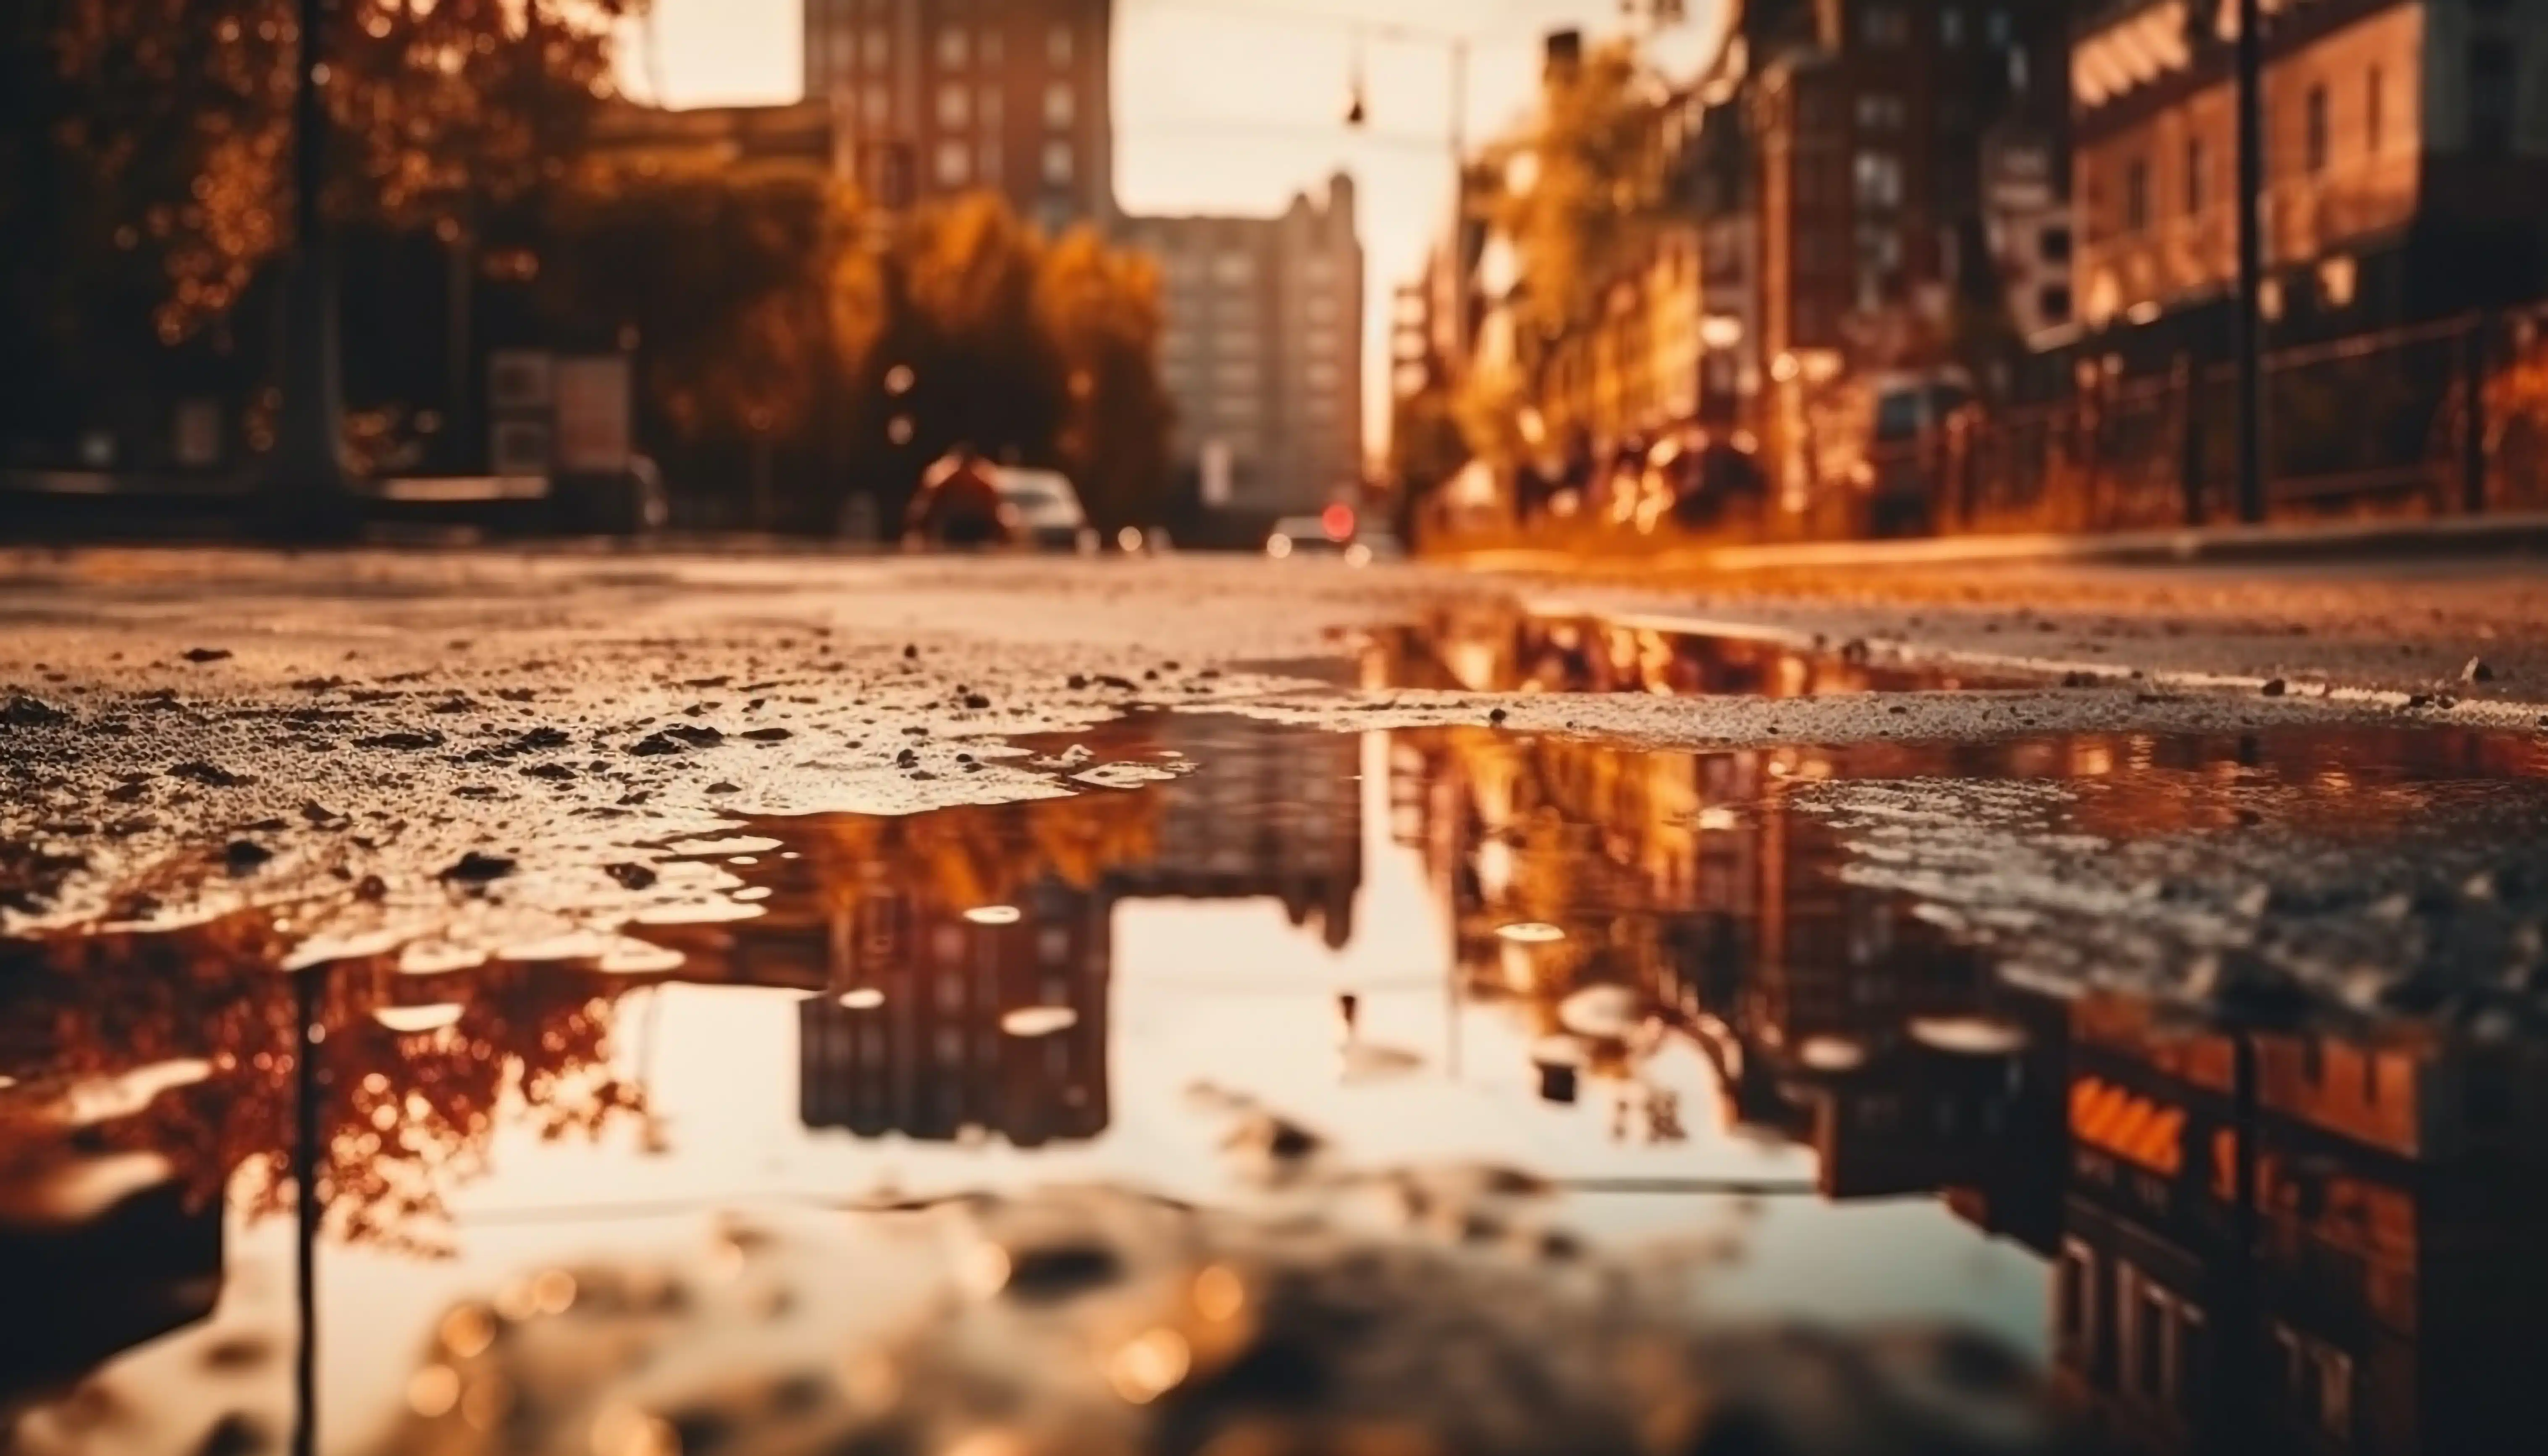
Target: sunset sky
x,y
1230,104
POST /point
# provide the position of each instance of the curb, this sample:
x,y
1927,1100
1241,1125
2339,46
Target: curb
x,y
2520,533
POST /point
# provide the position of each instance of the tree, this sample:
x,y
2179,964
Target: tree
x,y
748,300
144,150
1044,351
179,111
1577,197
1101,309
1426,444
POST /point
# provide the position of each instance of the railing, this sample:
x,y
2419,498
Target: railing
x,y
2367,426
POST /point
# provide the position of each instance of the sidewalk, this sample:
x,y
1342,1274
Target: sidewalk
x,y
2520,533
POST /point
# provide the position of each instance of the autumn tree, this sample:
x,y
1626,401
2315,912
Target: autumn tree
x,y
1582,192
1042,351
144,183
1576,199
748,300
1102,311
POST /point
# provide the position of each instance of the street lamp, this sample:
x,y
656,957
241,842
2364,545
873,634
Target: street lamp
x,y
2251,262
306,487
1455,49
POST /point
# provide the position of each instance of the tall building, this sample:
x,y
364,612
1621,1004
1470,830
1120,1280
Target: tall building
x,y
2401,167
946,96
1869,120
1263,352
934,1056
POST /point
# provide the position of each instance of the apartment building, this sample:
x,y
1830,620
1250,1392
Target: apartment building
x,y
1262,352
2402,162
948,96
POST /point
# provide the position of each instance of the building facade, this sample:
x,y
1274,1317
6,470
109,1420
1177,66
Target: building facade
x,y
1870,121
946,96
2401,159
1262,353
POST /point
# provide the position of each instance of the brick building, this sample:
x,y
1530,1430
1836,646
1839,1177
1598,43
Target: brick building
x,y
942,96
2402,160
1869,120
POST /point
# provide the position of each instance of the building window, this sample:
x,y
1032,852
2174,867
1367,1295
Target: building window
x,y
2314,143
2136,214
1233,268
2374,111
954,163
954,106
955,46
1885,25
1060,45
1880,111
1060,165
2053,305
878,47
2198,176
2491,96
1951,27
1880,179
876,106
1061,106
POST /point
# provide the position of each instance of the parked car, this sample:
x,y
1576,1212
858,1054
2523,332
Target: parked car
x,y
1904,473
1335,531
1040,511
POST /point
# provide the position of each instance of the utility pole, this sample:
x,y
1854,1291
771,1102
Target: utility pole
x,y
306,491
2251,262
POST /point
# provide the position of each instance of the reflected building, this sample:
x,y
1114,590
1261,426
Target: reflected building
x,y
905,1032
1270,815
911,1035
2297,1240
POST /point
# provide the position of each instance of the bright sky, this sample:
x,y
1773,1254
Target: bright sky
x,y
1234,105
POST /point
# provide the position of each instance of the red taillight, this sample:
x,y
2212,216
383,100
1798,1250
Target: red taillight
x,y
1338,520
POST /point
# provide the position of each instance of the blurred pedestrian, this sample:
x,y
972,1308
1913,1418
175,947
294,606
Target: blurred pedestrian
x,y
959,504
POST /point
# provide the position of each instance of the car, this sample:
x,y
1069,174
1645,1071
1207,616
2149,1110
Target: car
x,y
1040,511
1335,532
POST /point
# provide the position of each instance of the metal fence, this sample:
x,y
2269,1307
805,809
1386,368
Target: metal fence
x,y
2378,424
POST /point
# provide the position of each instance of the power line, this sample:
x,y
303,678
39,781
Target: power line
x,y
1171,128
1344,23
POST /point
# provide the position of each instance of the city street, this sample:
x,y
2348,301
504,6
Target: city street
x,y
1718,925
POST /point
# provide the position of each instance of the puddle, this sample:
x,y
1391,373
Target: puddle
x,y
1488,650
1730,999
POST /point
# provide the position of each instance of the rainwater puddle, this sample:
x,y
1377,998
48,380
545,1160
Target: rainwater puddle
x,y
1712,999
1485,650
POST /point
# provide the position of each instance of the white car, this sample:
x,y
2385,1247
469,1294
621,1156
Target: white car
x,y
1041,512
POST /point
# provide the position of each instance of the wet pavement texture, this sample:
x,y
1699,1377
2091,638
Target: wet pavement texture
x,y
1263,1086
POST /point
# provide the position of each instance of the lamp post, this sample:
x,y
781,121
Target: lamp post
x,y
305,492
2251,261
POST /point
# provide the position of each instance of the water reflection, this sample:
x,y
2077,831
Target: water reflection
x,y
1637,973
1490,649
